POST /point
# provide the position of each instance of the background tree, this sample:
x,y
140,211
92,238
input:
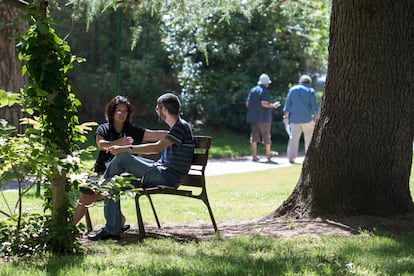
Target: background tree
x,y
238,51
12,25
145,69
212,62
360,156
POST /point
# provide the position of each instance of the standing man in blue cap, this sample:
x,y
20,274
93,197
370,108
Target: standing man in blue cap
x,y
259,116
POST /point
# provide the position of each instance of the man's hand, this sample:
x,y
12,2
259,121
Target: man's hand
x,y
276,104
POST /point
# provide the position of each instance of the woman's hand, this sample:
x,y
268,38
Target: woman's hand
x,y
124,141
115,150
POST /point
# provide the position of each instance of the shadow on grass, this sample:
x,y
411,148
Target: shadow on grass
x,y
57,264
255,254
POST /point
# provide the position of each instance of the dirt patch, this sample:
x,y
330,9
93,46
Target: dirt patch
x,y
282,227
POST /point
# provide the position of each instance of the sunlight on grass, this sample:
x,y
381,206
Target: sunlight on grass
x,y
232,197
229,144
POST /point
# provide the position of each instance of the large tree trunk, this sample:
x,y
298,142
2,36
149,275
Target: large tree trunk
x,y
359,160
11,78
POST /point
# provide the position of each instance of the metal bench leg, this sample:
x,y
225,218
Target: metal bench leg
x,y
153,210
204,198
88,221
211,215
212,218
141,227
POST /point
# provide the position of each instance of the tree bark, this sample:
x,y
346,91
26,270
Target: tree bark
x,y
359,160
11,78
59,200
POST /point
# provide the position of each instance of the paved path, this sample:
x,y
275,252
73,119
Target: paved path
x,y
245,164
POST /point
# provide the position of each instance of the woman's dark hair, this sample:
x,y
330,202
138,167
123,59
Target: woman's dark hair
x,y
170,102
111,108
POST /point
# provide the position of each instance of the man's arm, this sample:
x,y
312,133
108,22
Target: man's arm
x,y
148,148
153,135
270,105
104,144
314,104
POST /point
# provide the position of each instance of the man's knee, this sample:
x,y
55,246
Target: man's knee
x,y
118,163
267,141
121,158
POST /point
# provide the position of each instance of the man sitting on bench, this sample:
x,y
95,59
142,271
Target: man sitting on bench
x,y
177,150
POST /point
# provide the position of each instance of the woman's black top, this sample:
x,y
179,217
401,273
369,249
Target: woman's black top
x,y
107,131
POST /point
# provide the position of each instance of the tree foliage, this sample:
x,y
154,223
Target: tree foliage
x,y
26,162
46,60
145,70
211,52
238,51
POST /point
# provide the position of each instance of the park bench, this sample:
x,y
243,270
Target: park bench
x,y
194,186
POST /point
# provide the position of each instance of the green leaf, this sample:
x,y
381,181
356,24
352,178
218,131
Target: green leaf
x,y
8,98
43,28
7,176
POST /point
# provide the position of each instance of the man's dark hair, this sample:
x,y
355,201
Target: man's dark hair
x,y
111,108
170,102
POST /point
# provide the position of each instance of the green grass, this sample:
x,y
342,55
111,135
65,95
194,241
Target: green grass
x,y
233,197
230,144
230,196
244,255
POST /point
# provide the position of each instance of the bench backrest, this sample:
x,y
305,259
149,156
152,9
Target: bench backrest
x,y
196,174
